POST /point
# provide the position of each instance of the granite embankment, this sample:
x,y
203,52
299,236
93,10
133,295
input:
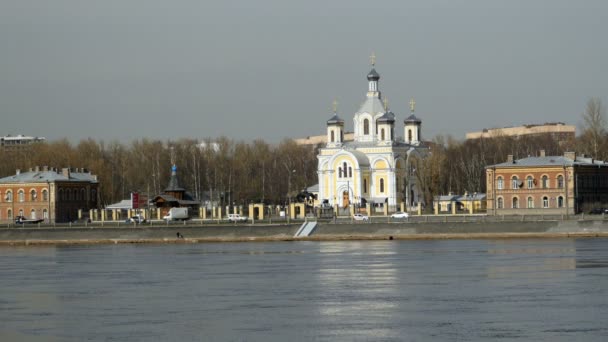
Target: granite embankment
x,y
285,232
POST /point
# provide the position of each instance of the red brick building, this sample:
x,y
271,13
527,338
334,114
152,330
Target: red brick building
x,y
49,194
546,185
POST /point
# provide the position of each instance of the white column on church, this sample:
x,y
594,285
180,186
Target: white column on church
x,y
391,187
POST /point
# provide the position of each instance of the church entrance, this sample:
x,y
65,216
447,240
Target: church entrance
x,y
345,200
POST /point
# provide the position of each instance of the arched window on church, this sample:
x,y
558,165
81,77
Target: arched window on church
x,y
365,185
350,171
409,135
382,185
366,127
332,136
382,134
339,172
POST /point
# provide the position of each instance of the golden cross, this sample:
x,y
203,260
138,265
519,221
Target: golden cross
x,y
412,105
335,105
372,59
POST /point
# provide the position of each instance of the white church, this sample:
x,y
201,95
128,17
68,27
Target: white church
x,y
374,168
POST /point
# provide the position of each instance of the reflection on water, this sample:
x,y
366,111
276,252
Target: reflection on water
x,y
324,291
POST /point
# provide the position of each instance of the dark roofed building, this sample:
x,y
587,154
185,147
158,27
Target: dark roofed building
x,y
174,196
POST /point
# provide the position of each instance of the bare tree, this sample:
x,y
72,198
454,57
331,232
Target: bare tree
x,y
594,133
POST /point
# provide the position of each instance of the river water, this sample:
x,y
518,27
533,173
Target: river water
x,y
437,290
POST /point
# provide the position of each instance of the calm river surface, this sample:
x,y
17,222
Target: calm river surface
x,y
465,290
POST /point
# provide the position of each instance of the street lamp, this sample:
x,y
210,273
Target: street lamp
x,y
288,211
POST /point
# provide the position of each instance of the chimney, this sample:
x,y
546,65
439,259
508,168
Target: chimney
x,y
510,159
66,172
570,155
542,153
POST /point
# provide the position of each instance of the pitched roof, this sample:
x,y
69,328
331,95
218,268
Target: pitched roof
x,y
49,176
551,161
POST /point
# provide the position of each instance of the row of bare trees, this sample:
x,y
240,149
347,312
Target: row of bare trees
x,y
240,172
459,166
258,171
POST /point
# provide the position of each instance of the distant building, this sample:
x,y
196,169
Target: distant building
x,y
321,139
558,131
9,141
55,196
565,184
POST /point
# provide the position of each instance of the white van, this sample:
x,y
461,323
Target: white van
x,y
236,218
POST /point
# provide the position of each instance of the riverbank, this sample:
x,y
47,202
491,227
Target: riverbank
x,y
285,232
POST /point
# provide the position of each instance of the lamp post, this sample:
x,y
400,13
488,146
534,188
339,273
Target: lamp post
x,y
288,211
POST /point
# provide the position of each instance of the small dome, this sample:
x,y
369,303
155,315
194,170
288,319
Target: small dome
x,y
412,119
388,117
373,75
335,120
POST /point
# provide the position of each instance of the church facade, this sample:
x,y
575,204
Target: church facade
x,y
375,167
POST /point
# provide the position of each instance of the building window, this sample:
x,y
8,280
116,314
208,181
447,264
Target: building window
x,y
45,195
332,136
560,181
514,182
350,171
21,195
9,196
33,214
382,134
530,202
366,127
560,202
382,185
33,195
364,185
9,214
545,202
82,194
339,172
45,214
61,196
94,195
499,203
530,182
545,182
515,202
20,212
499,183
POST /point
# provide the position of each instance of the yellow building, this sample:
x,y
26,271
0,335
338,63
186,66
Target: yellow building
x,y
374,168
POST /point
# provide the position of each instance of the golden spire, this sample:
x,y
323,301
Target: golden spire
x,y
412,105
372,59
334,105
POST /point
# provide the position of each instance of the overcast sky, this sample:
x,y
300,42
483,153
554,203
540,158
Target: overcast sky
x,y
270,69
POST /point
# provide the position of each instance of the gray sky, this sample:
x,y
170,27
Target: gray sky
x,y
270,69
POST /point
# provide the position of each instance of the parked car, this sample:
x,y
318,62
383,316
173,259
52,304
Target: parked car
x,y
360,217
598,211
400,214
136,219
236,218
